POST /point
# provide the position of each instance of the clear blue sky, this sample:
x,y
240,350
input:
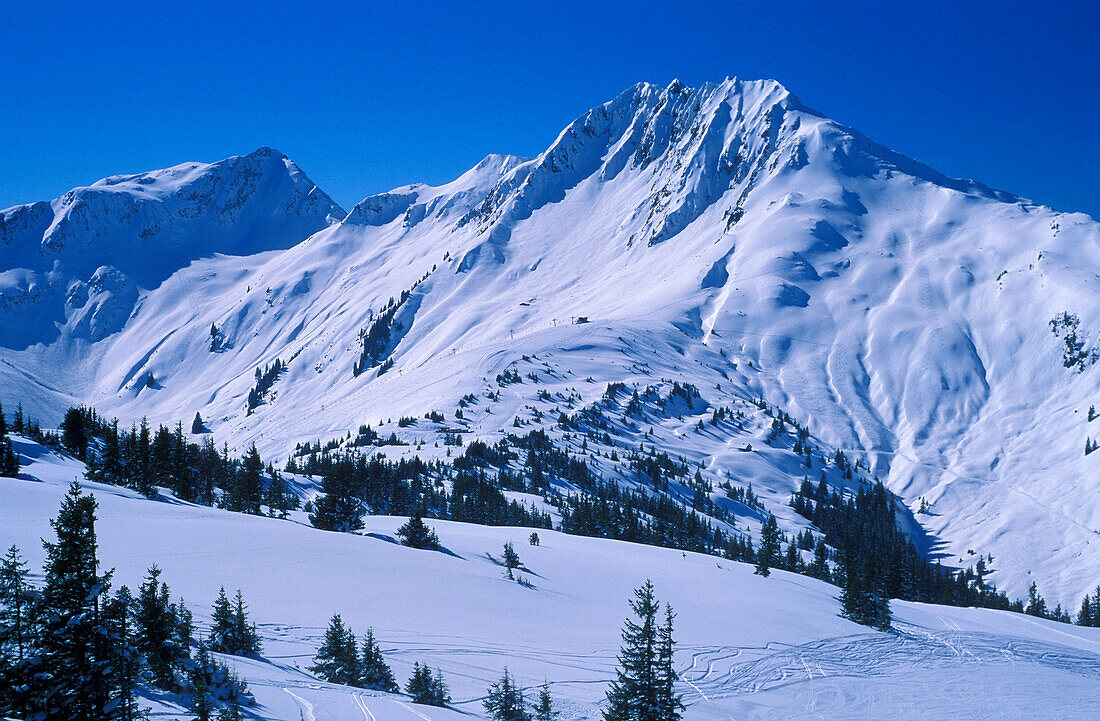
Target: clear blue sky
x,y
369,97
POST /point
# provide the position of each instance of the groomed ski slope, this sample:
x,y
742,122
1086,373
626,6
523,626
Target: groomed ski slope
x,y
748,647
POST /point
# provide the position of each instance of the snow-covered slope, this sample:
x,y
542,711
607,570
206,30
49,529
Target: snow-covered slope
x,y
748,647
725,236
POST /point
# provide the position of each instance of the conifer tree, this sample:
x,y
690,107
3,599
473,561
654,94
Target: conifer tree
x,y
819,567
768,553
18,636
74,674
505,701
197,426
201,703
670,703
426,688
16,609
245,631
223,629
419,685
337,508
544,708
337,660
510,558
440,695
415,534
642,689
9,462
375,673
127,664
156,633
861,599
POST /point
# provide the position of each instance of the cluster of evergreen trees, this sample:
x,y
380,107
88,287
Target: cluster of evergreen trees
x,y
9,461
506,701
375,338
878,561
1089,615
143,459
427,688
71,650
874,560
339,660
264,381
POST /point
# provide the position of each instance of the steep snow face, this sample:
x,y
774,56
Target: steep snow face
x,y
726,236
138,230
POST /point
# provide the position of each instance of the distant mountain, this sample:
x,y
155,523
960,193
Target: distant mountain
x,y
942,332
81,258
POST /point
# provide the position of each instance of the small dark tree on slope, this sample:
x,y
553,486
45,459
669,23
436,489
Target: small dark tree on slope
x,y
375,672
426,688
337,661
231,632
505,701
769,547
415,534
544,708
510,559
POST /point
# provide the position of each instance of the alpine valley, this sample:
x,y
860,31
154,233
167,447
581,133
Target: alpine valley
x,y
712,306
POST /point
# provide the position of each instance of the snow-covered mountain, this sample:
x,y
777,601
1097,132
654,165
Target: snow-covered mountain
x,y
81,260
724,236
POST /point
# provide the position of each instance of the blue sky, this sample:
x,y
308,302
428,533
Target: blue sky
x,y
368,97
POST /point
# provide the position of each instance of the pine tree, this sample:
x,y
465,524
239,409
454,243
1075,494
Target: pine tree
x,y
419,685
415,534
375,673
510,559
439,695
1036,605
9,462
635,694
249,640
197,425
819,567
426,688
74,434
201,697
74,661
337,508
769,547
861,599
127,664
16,609
505,701
18,636
247,491
337,660
544,709
156,633
670,703
223,629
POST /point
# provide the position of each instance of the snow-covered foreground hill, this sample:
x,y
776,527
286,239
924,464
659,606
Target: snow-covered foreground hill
x,y
725,236
749,647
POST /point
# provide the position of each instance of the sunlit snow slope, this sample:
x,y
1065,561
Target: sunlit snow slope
x,y
748,647
724,236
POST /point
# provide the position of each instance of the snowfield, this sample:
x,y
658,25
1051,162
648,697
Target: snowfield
x,y
748,647
724,236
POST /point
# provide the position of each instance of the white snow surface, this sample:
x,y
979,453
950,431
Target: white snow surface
x,y
724,236
748,647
